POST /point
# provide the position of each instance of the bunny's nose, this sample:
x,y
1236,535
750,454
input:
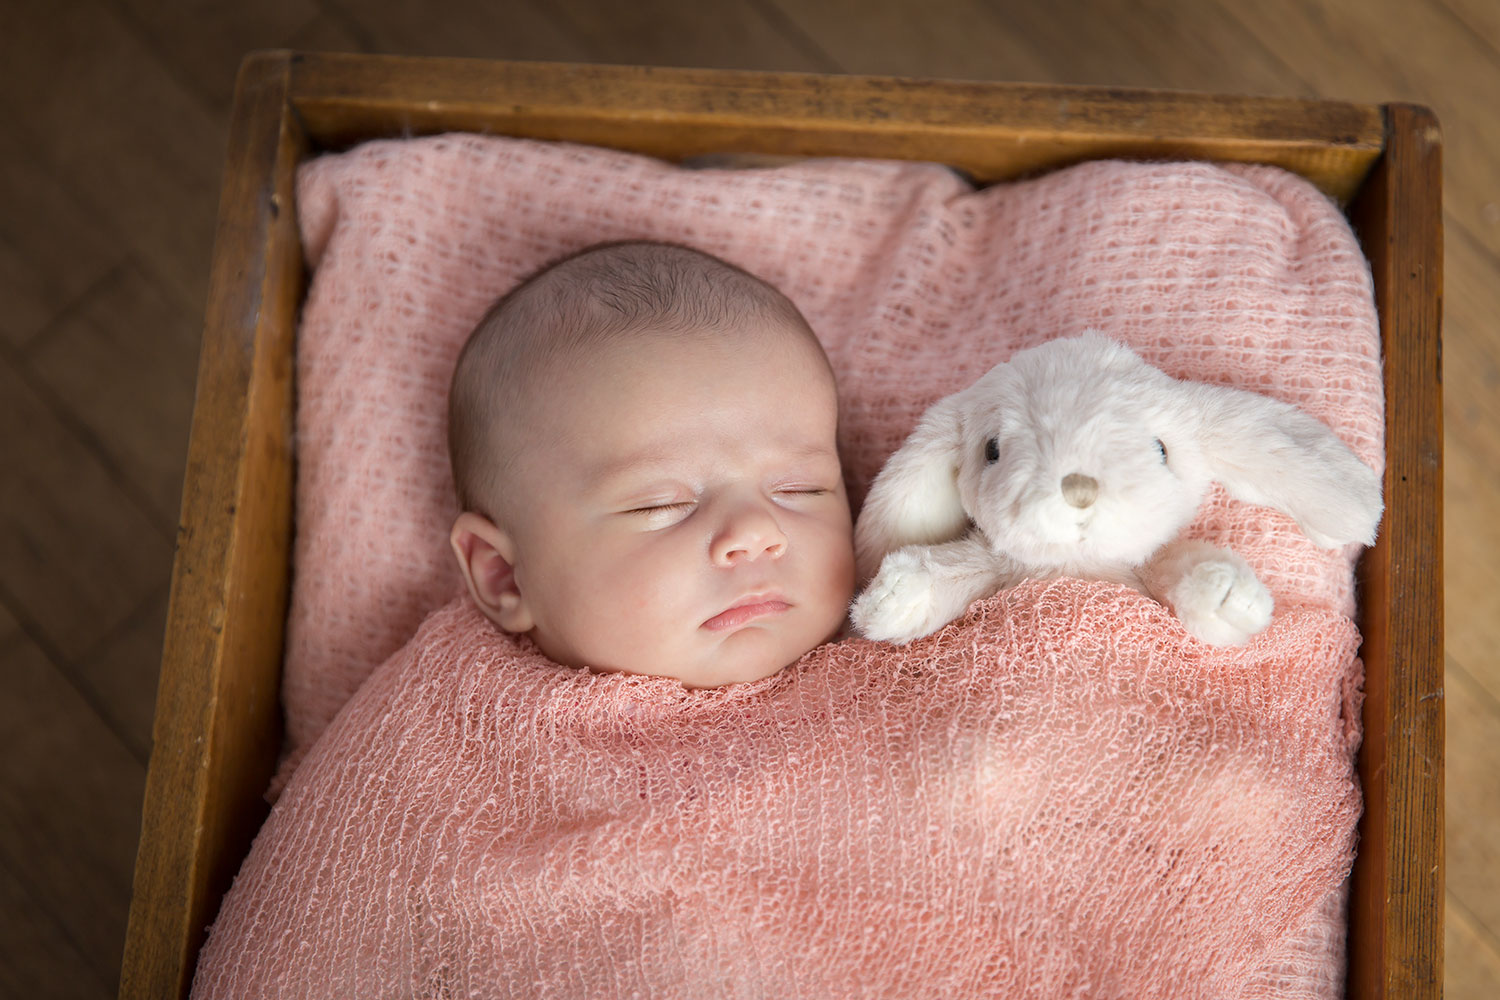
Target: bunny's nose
x,y
1079,490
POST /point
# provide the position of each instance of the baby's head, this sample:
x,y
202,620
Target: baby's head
x,y
643,440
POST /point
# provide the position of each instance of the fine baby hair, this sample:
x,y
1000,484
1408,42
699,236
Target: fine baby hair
x,y
1077,458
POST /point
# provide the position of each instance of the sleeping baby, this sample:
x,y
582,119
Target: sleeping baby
x,y
626,762
643,440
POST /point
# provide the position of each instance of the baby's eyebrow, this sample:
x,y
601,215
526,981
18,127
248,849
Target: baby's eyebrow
x,y
648,464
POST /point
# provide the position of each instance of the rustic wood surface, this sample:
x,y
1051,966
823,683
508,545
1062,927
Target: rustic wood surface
x,y
117,115
1394,952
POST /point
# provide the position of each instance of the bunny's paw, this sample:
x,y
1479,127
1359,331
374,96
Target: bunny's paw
x,y
900,604
1221,601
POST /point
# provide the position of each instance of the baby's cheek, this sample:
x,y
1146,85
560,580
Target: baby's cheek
x,y
634,589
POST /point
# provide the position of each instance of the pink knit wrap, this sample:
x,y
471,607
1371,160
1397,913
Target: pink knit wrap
x,y
915,282
1061,794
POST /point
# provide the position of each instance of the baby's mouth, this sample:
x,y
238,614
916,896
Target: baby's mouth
x,y
758,606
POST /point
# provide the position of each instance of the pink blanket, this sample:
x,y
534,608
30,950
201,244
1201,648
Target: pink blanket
x,y
1061,794
915,282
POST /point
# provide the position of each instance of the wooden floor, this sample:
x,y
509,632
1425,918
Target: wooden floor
x,y
112,125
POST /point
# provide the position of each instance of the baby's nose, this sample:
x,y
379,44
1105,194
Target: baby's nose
x,y
749,532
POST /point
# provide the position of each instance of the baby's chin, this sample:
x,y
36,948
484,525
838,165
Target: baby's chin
x,y
745,657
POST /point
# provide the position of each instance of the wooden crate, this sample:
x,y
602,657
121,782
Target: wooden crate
x,y
217,728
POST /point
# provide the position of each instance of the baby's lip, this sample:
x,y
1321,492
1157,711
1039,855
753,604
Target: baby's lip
x,y
747,609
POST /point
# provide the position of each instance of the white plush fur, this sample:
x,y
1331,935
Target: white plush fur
x,y
953,517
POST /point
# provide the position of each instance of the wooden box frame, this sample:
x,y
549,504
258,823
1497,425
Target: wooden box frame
x,y
217,729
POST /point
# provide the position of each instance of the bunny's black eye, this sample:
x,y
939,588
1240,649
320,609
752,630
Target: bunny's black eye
x,y
992,451
1161,448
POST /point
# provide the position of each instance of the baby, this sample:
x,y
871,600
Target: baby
x,y
643,440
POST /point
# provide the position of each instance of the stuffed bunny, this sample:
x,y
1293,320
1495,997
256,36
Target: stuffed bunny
x,y
1076,458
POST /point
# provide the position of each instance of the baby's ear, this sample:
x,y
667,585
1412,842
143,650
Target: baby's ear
x,y
486,558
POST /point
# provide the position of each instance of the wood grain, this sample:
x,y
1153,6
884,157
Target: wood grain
x,y
1395,934
730,34
69,807
894,38
135,141
217,718
1473,966
52,250
79,554
677,113
122,361
40,961
118,676
204,42
1473,777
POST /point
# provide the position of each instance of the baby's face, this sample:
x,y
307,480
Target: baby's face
x,y
685,513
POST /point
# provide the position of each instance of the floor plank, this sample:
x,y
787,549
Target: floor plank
x,y
138,151
733,34
70,805
1472,969
1471,349
954,39
1473,787
202,44
78,553
1400,51
37,958
1471,575
52,250
1150,44
1482,17
124,362
119,677
472,28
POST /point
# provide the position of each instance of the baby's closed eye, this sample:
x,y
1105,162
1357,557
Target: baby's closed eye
x,y
654,507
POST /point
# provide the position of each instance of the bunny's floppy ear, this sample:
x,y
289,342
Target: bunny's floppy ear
x,y
1268,452
915,500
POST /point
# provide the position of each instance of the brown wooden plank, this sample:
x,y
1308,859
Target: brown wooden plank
x,y
955,39
1482,18
1473,780
1401,51
992,132
731,34
469,28
1471,379
37,959
217,727
77,553
122,361
1471,496
120,676
69,805
1472,969
1119,44
325,33
1156,43
52,251
1396,902
203,43
135,141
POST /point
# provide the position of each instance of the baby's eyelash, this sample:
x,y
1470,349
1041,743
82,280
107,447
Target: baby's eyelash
x,y
654,508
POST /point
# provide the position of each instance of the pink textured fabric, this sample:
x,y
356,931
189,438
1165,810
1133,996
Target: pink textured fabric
x,y
916,283
1060,794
